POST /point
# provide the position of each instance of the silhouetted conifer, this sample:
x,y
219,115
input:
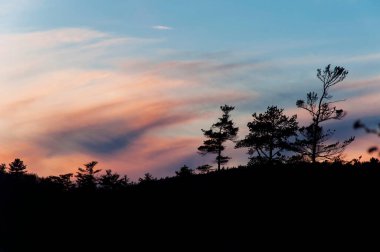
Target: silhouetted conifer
x,y
218,134
269,135
112,181
204,168
147,178
63,181
184,171
86,176
17,167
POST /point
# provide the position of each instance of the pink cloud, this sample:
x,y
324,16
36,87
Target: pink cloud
x,y
67,105
61,114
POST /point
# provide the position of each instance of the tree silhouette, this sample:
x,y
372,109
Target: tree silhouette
x,y
359,125
147,178
111,181
204,168
64,181
17,167
218,134
321,108
184,171
3,168
86,176
269,135
323,149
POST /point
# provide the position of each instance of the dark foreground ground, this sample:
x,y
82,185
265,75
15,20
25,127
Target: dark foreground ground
x,y
256,209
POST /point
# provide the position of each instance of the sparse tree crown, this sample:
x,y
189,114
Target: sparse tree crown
x,y
218,134
86,176
321,108
204,168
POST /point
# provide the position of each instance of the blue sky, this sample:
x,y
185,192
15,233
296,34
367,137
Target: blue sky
x,y
176,58
212,25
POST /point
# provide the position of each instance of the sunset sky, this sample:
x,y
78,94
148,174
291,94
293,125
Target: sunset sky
x,y
132,83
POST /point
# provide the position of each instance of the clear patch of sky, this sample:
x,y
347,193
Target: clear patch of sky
x,y
347,26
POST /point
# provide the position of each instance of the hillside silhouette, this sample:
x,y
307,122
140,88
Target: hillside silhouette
x,y
225,210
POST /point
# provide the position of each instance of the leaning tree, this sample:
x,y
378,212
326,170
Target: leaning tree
x,y
315,139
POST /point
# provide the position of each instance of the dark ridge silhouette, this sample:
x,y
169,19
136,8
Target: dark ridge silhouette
x,y
228,210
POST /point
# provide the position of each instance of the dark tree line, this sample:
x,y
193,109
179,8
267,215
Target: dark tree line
x,y
85,179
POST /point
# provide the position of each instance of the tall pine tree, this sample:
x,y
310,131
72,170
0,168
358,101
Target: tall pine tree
x,y
218,134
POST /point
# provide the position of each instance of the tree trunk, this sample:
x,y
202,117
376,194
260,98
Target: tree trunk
x,y
219,157
270,155
219,148
314,147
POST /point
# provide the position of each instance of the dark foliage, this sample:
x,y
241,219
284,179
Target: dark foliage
x,y
184,171
63,182
359,125
17,167
269,135
217,135
112,181
86,179
204,168
147,178
3,168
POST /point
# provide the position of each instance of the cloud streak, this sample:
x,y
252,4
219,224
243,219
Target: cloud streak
x,y
74,102
162,27
73,95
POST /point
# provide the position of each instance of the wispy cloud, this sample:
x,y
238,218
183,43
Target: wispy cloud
x,y
162,27
74,95
75,101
